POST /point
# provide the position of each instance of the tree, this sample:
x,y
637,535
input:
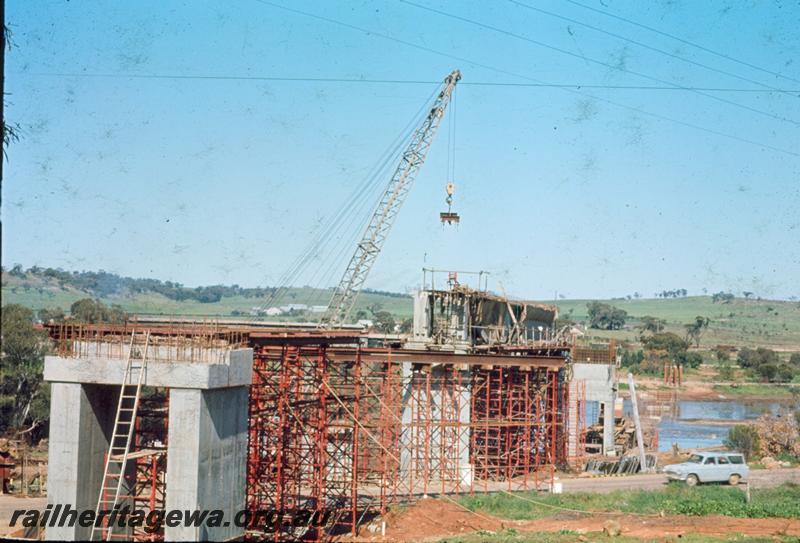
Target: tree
x,y
407,326
695,330
94,311
23,395
361,315
686,359
665,341
724,297
652,324
605,316
46,315
743,439
753,358
794,360
11,132
384,321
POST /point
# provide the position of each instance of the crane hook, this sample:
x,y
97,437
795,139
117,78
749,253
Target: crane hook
x,y
448,216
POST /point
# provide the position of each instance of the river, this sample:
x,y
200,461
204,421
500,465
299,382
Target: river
x,y
692,424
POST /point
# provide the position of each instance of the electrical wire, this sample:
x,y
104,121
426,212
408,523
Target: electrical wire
x,y
528,78
594,60
640,44
351,212
201,77
682,40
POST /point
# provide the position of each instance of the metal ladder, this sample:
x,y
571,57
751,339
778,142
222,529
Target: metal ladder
x,y
119,445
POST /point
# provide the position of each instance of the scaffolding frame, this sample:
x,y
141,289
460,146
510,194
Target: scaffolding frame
x,y
347,438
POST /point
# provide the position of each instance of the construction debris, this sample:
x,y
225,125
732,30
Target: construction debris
x,y
627,465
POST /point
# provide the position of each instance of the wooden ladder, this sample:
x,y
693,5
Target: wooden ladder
x,y
119,446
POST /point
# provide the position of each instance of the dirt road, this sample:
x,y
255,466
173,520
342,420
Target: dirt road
x,y
431,520
758,479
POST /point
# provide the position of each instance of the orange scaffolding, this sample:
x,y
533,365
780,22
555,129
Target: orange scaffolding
x,y
350,435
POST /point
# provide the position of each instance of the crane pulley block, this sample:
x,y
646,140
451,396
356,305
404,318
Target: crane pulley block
x,y
449,217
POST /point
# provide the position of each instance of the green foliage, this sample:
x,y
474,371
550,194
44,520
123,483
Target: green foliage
x,y
407,326
695,329
677,293
723,355
639,363
23,396
47,315
631,359
652,324
665,341
752,358
102,284
758,389
94,311
725,371
766,364
744,438
676,499
688,359
723,297
384,321
605,316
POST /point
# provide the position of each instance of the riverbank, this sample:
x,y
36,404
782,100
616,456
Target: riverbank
x,y
715,390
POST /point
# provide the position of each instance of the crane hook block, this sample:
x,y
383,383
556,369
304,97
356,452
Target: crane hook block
x,y
448,217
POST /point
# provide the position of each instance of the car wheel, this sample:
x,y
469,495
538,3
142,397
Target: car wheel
x,y
734,479
692,480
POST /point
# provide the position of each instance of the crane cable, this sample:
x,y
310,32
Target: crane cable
x,y
353,204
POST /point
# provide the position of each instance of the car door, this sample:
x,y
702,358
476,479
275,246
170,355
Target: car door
x,y
709,470
723,468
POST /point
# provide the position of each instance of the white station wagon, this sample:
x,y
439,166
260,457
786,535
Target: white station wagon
x,y
709,467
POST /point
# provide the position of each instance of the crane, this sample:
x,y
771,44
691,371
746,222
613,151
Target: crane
x,y
368,249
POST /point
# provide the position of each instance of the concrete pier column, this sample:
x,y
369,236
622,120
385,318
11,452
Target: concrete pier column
x,y
207,439
608,427
81,422
207,459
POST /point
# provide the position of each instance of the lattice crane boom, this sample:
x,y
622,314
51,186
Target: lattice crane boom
x,y
394,195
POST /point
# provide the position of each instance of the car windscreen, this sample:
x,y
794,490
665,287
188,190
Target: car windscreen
x,y
695,459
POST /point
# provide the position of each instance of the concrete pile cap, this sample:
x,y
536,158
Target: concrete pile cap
x,y
237,371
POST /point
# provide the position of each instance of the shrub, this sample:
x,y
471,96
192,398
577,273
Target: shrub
x,y
778,434
606,317
725,371
744,439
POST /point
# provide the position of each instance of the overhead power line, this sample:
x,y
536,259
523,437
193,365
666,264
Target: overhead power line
x,y
526,77
593,60
640,44
201,77
684,41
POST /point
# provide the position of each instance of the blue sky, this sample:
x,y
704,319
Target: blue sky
x,y
560,190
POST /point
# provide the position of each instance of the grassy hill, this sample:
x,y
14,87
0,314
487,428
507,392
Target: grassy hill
x,y
741,322
38,292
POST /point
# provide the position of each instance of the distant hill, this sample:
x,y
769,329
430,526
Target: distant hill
x,y
50,288
733,321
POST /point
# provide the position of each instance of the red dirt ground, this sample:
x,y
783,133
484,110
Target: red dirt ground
x,y
431,520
